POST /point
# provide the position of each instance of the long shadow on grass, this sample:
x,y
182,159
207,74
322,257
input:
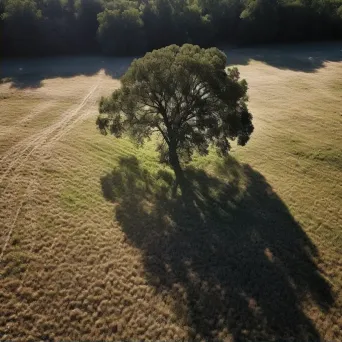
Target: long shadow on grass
x,y
31,72
25,73
300,57
227,250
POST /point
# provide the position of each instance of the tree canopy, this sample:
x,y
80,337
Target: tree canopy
x,y
120,31
186,96
128,27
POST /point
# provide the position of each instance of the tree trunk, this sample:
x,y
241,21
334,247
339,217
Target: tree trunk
x,y
174,161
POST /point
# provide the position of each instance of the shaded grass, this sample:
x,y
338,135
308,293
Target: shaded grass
x,y
252,251
306,58
227,248
24,73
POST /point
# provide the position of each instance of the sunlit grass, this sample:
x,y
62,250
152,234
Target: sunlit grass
x,y
99,249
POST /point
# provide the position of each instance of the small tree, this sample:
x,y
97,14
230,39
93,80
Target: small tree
x,y
187,96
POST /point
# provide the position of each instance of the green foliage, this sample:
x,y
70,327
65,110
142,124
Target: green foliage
x,y
197,27
16,10
120,31
86,12
134,26
259,21
21,21
224,16
186,96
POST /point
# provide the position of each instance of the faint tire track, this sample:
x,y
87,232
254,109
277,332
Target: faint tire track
x,y
36,111
40,142
21,152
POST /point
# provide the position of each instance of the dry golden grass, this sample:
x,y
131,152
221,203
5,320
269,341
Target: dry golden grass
x,y
93,247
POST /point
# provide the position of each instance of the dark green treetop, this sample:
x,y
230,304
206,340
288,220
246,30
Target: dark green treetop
x,y
187,96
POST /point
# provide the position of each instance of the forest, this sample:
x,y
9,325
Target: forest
x,y
131,27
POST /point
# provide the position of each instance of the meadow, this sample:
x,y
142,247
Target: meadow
x,y
93,246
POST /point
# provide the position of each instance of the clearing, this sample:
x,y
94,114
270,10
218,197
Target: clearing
x,y
94,247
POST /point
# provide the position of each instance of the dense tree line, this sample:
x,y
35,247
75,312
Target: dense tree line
x,y
121,27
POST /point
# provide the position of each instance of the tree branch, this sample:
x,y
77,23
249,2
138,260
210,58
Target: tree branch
x,y
163,134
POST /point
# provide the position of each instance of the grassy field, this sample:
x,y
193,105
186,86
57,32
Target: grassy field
x,y
94,247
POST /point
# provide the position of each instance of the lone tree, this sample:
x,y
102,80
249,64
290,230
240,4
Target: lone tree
x,y
187,96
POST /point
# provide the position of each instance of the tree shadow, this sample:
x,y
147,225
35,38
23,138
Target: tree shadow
x,y
227,249
295,57
25,73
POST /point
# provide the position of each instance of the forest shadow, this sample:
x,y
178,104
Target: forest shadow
x,y
25,73
296,57
226,249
